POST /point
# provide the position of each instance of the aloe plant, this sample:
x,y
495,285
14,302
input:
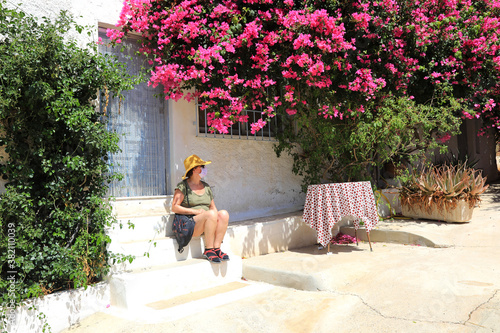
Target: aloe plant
x,y
444,186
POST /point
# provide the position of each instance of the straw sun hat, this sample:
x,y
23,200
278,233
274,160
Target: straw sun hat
x,y
192,162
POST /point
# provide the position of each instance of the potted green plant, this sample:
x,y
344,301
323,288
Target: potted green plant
x,y
445,193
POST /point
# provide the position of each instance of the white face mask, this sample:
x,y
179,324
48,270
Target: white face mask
x,y
203,172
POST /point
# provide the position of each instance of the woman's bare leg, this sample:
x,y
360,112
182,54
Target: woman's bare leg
x,y
220,231
206,223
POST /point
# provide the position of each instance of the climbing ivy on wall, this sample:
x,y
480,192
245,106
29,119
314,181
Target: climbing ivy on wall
x,y
53,215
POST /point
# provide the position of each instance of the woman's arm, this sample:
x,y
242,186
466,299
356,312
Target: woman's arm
x,y
178,209
212,205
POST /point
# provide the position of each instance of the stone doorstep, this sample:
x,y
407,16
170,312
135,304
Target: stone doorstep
x,y
144,281
133,289
190,303
127,208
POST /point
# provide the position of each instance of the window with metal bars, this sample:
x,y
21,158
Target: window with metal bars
x,y
239,130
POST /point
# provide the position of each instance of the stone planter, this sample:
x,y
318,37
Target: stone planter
x,y
461,213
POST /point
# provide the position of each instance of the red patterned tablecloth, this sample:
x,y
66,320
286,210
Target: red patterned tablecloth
x,y
326,204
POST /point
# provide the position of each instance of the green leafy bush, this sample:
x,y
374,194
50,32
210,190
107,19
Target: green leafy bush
x,y
397,131
53,215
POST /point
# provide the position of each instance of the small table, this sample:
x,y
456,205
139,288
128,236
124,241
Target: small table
x,y
326,204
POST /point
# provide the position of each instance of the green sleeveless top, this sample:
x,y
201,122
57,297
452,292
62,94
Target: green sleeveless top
x,y
196,201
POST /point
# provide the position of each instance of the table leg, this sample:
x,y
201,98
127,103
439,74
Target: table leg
x,y
369,242
328,251
356,235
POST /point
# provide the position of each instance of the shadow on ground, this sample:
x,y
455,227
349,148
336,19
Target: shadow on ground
x,y
334,249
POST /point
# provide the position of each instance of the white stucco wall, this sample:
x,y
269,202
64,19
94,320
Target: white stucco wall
x,y
246,176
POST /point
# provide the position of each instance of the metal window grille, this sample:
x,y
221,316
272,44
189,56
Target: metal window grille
x,y
239,130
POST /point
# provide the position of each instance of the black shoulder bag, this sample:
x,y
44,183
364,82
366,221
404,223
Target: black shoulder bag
x,y
183,226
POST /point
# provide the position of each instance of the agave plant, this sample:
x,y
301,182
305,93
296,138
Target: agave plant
x,y
444,186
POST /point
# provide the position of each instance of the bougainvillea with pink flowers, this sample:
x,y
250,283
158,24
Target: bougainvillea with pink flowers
x,y
328,69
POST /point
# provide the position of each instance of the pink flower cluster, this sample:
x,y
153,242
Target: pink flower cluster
x,y
283,57
364,82
341,239
444,138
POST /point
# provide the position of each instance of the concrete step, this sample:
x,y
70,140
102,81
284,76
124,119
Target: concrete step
x,y
190,303
389,236
131,207
160,251
142,228
152,245
156,252
270,234
310,268
135,288
160,273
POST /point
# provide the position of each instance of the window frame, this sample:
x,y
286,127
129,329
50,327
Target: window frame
x,y
239,130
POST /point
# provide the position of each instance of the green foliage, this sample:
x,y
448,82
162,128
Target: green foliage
x,y
53,217
333,150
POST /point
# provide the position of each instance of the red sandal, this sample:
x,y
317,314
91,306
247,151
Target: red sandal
x,y
223,256
211,256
